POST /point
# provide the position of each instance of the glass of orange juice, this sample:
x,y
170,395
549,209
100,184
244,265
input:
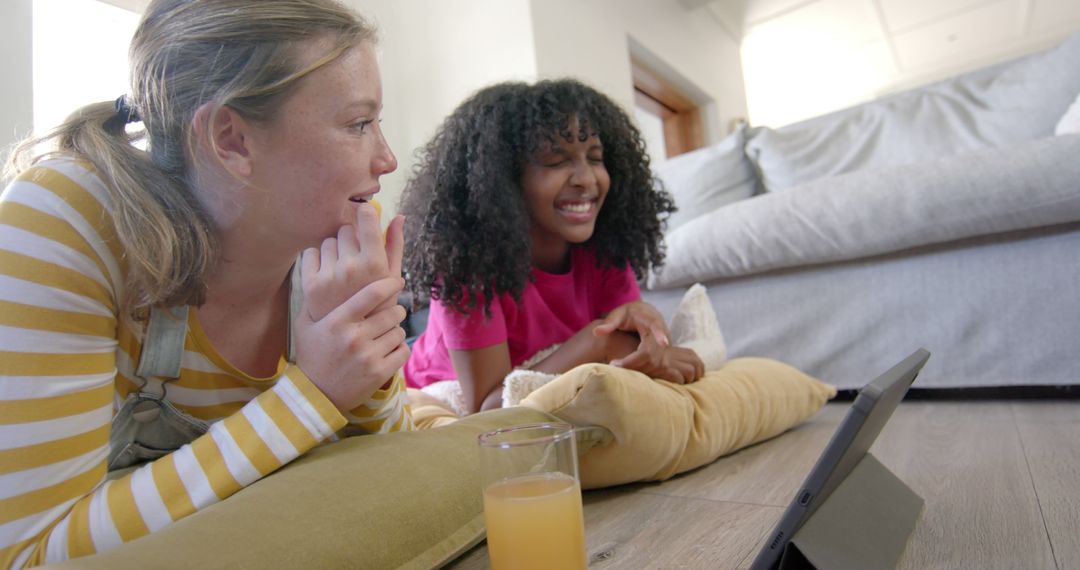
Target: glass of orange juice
x,y
532,497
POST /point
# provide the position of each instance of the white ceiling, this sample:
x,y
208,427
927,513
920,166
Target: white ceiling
x,y
920,37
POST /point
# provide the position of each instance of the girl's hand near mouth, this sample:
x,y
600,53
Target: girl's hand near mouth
x,y
345,264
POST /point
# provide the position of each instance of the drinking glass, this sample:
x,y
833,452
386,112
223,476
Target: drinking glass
x,y
532,497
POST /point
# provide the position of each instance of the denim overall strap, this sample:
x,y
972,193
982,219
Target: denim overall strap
x,y
147,426
163,345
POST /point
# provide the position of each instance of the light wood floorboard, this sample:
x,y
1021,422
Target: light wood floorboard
x,y
967,463
1050,433
642,531
1001,481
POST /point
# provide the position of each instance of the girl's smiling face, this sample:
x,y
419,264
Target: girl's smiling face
x,y
565,184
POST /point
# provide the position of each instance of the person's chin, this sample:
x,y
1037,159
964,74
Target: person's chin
x,y
578,236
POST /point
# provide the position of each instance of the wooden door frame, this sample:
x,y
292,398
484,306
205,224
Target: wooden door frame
x,y
679,114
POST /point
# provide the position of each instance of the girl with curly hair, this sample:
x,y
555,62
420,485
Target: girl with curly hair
x,y
529,218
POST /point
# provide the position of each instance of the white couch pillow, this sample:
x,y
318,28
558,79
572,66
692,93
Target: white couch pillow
x,y
702,180
1070,121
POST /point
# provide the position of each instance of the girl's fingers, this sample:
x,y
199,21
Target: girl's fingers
x,y
651,349
309,267
689,363
638,317
695,366
399,355
603,329
645,318
328,253
676,373
367,228
388,342
648,356
610,322
395,244
348,246
649,319
382,321
391,350
366,300
659,332
635,360
688,371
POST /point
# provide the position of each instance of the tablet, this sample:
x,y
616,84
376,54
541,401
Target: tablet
x,y
853,437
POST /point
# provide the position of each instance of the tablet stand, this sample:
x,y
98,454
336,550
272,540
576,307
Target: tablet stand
x,y
865,523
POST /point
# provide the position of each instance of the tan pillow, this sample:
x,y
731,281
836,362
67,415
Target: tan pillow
x,y
400,500
428,411
661,429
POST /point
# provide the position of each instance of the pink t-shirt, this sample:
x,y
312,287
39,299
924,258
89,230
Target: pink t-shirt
x,y
553,308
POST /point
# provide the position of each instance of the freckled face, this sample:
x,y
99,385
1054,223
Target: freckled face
x,y
565,185
323,153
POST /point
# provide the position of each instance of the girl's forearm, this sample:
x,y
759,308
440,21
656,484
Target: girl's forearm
x,y
493,399
480,372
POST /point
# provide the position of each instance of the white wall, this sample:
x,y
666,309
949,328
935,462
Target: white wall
x,y
592,39
435,53
97,71
16,67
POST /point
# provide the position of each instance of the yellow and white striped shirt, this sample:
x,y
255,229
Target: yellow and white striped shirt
x,y
67,362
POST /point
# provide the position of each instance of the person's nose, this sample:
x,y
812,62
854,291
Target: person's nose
x,y
384,161
583,175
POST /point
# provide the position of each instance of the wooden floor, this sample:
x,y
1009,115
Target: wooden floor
x,y
1001,481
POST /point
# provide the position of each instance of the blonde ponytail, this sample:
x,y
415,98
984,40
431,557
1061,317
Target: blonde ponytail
x,y
185,54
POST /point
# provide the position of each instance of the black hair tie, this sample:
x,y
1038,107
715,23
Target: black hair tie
x,y
126,111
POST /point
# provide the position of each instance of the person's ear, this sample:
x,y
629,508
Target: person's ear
x,y
226,137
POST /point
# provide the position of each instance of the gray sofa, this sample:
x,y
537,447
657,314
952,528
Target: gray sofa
x,y
946,217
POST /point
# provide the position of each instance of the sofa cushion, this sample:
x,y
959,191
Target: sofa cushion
x,y
1070,121
873,212
991,107
701,181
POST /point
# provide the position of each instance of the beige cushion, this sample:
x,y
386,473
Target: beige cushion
x,y
401,500
661,429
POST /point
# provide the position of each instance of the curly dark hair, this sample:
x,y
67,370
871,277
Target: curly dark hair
x,y
467,226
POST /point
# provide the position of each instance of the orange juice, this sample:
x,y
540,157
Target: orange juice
x,y
535,521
